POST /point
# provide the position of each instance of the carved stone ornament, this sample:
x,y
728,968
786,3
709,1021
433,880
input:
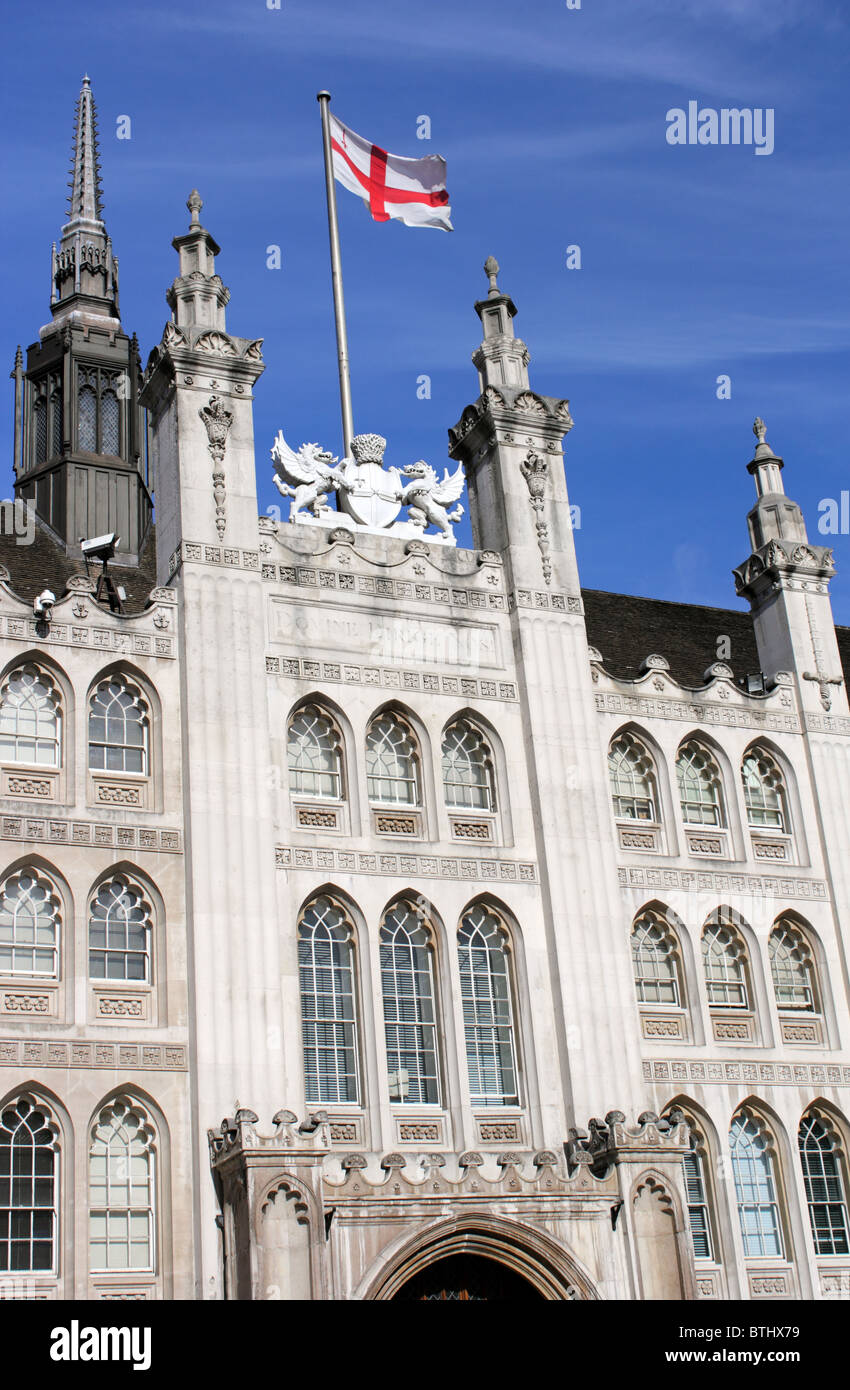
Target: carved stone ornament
x,y
369,493
535,471
217,422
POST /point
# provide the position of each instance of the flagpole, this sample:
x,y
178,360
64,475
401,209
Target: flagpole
x,y
324,100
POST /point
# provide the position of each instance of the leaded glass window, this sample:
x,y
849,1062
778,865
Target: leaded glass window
x,y
122,1189
120,933
87,419
109,424
392,762
755,1188
30,718
764,791
699,786
467,768
632,778
407,980
485,987
654,960
328,1014
55,422
29,1154
118,728
29,926
820,1158
695,1188
724,963
314,754
40,426
791,968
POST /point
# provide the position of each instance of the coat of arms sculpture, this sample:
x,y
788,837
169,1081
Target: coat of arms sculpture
x,y
367,492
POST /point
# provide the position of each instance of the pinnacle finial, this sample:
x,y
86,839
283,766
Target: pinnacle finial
x,y
491,270
760,429
194,203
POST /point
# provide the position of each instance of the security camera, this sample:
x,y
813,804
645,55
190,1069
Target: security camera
x,y
100,547
42,605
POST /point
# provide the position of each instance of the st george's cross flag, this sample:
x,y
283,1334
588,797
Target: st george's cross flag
x,y
412,190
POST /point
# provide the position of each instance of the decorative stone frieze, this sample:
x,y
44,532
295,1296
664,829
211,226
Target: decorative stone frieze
x,y
716,881
734,1073
422,865
345,673
54,831
133,1056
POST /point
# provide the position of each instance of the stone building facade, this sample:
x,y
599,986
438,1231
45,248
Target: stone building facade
x,y
383,919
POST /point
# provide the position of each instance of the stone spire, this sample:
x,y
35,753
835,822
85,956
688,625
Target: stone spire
x,y
774,517
502,359
84,270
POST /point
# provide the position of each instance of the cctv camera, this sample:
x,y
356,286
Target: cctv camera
x,y
42,605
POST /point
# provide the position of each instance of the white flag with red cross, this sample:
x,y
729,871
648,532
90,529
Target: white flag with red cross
x,y
412,190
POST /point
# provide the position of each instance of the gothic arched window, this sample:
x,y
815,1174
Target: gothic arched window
x,y
821,1160
29,926
485,987
407,979
29,1158
392,762
328,1012
118,727
699,786
314,751
755,1187
764,791
724,961
87,418
120,932
122,1189
468,779
654,960
632,776
791,968
30,718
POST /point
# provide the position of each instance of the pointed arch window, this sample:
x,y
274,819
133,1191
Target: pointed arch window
x,y
392,762
485,987
823,1177
29,1181
791,968
29,926
120,932
468,778
328,1013
30,718
764,791
119,722
632,776
753,1168
407,979
698,777
654,958
724,962
122,1189
314,751
697,1195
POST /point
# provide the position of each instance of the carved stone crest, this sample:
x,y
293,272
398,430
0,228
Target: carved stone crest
x,y
535,470
217,422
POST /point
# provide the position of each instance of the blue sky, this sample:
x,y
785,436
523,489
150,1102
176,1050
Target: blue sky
x,y
696,261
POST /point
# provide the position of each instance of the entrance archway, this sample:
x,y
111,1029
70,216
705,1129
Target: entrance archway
x,y
467,1279
497,1254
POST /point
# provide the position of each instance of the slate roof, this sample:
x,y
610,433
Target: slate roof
x,y
626,629
44,565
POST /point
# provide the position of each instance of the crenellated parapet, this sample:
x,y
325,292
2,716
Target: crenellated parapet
x,y
611,1141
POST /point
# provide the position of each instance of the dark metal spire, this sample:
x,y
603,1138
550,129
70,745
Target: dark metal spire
x,y
85,200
